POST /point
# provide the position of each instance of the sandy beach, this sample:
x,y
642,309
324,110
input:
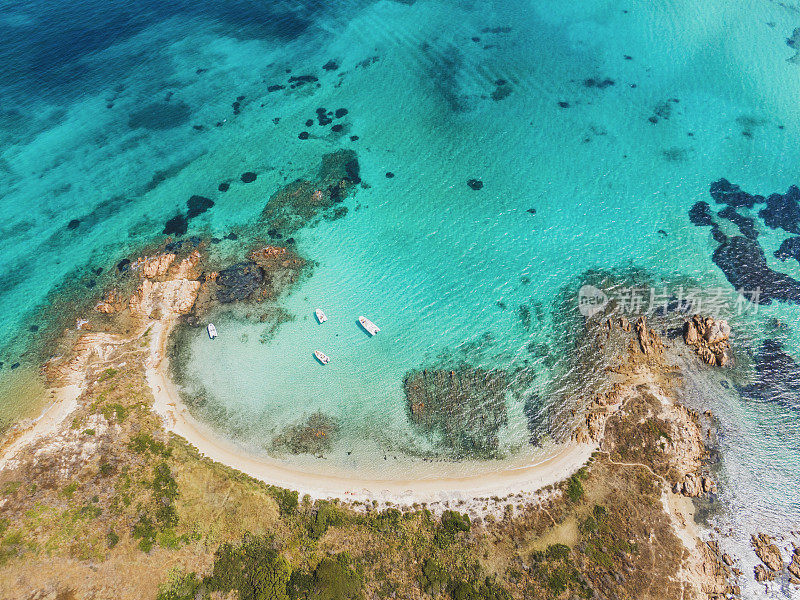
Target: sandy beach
x,y
177,419
65,401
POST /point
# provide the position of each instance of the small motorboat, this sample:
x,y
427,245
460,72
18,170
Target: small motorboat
x,y
368,325
323,358
212,331
321,318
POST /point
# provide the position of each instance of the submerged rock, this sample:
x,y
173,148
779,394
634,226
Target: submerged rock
x,y
475,184
746,225
160,116
724,192
300,201
239,282
777,376
466,407
313,436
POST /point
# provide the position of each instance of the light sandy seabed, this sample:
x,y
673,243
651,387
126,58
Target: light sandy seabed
x,y
177,419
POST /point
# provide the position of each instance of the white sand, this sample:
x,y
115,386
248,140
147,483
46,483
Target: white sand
x,y
524,479
66,401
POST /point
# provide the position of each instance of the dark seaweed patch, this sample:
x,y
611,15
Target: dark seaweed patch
x,y
177,225
783,211
248,177
790,248
197,205
475,184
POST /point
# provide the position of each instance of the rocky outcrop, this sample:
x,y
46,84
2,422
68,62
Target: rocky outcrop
x,y
769,554
70,369
113,302
794,566
173,296
708,338
649,342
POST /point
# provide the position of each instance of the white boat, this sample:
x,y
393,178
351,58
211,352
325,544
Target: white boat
x,y
323,358
212,331
321,318
370,327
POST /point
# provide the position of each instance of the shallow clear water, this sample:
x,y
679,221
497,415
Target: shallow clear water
x,y
86,135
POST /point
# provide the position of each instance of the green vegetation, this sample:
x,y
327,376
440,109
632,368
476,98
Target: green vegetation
x,y
254,569
144,442
325,516
179,586
287,500
107,374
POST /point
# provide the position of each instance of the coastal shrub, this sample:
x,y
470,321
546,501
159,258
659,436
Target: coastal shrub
x,y
179,586
453,521
105,469
116,410
488,589
557,552
335,579
144,442
574,488
253,569
112,539
325,516
388,519
287,500
434,577
107,374
144,530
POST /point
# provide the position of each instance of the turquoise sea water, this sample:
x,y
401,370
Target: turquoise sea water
x,y
114,116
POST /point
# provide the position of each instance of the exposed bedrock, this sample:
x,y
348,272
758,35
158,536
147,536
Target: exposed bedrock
x,y
708,338
465,406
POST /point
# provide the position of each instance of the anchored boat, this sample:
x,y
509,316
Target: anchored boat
x,y
212,331
368,325
321,318
323,358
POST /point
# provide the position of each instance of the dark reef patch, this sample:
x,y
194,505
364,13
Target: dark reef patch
x,y
743,262
475,184
789,248
197,205
783,211
598,83
73,224
224,187
177,225
724,192
248,177
239,282
160,115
